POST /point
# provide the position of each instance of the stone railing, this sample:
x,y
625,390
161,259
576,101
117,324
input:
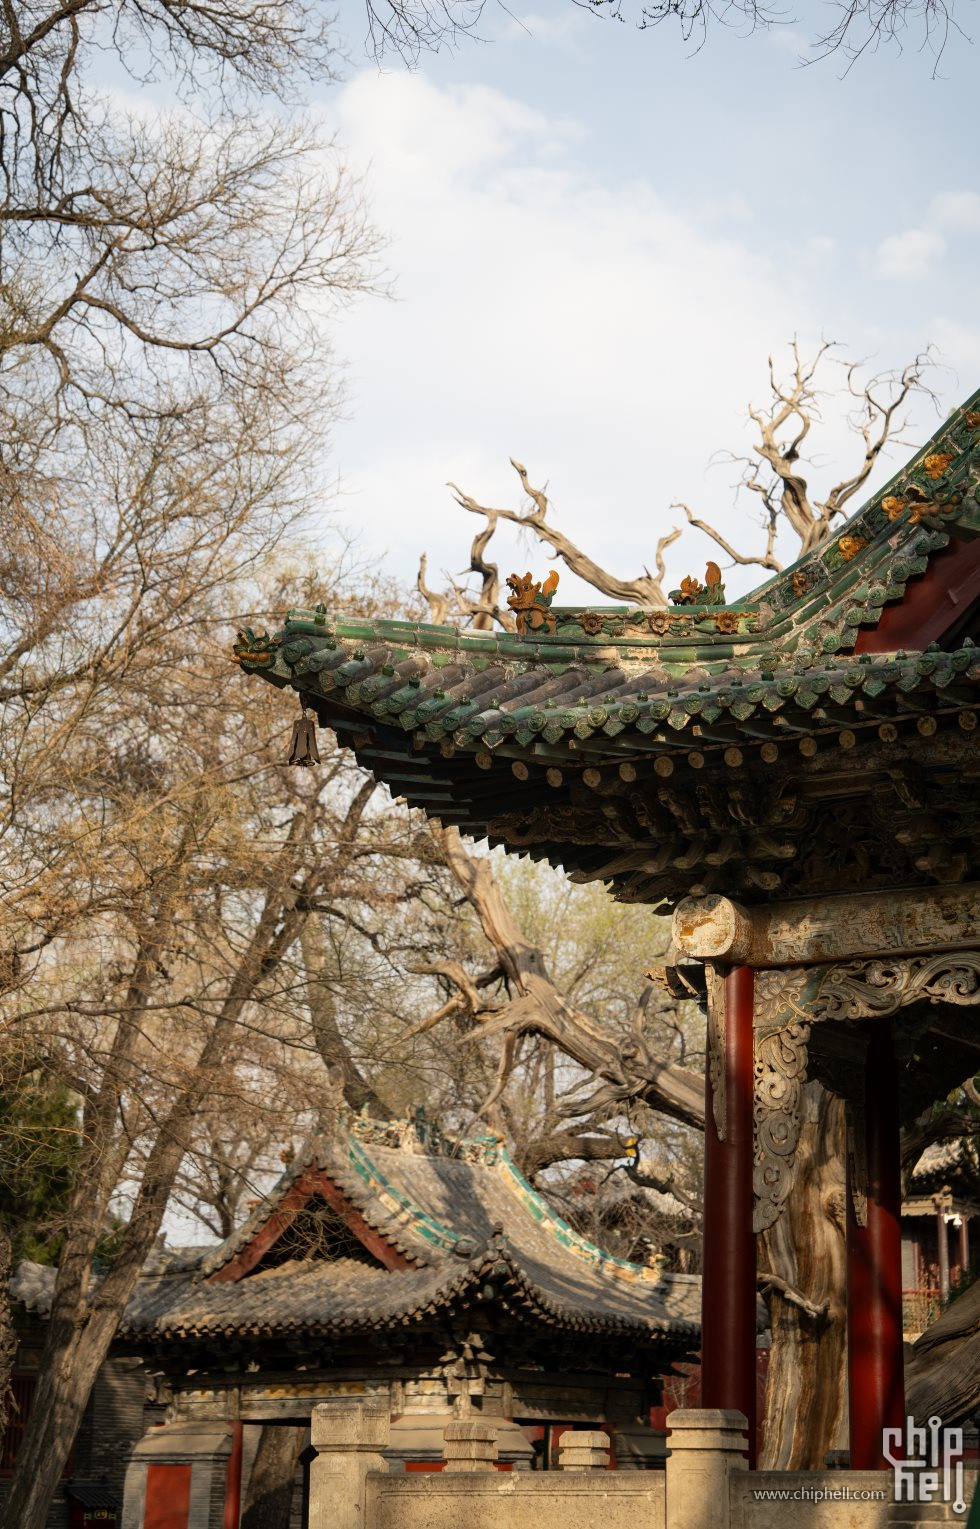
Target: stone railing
x,y
705,1485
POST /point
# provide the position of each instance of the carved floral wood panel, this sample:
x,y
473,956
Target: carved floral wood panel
x,y
788,1001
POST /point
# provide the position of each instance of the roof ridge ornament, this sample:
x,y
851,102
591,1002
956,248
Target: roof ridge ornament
x,y
693,592
531,601
252,647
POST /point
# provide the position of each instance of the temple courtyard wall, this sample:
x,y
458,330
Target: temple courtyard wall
x,y
180,1475
705,1485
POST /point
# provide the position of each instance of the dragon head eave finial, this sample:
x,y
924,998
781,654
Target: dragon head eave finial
x,y
253,647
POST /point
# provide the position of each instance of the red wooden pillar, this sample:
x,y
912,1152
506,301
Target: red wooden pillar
x,y
942,1202
875,1372
728,1288
233,1480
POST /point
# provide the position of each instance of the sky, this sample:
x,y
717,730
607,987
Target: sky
x,y
597,235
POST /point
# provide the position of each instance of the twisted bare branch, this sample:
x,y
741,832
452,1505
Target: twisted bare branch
x,y
645,590
536,1006
773,472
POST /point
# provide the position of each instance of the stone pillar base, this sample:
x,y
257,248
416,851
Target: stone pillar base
x,y
704,1445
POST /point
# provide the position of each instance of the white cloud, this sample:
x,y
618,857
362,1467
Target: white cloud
x,y
602,334
910,255
590,329
958,347
957,210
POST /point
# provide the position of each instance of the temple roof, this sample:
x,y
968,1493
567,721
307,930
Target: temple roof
x,y
439,1225
652,747
942,1157
949,1165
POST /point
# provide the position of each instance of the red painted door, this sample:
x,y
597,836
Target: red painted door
x,y
168,1497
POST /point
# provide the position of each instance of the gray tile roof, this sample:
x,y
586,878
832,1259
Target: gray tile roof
x,y
466,1218
940,1157
343,1295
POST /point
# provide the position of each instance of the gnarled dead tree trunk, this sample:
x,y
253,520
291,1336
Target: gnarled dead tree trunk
x,y
942,1372
628,1067
801,1259
804,1253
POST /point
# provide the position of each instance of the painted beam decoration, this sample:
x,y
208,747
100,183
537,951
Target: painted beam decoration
x,y
815,737
829,928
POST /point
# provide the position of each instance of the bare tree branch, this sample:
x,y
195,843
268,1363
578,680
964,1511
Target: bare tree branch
x,y
766,559
536,1006
784,426
645,590
768,1281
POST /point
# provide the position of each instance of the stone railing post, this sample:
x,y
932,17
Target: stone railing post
x,y
348,1438
704,1445
469,1445
583,1449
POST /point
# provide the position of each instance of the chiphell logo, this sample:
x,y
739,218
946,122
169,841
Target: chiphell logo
x,y
928,1462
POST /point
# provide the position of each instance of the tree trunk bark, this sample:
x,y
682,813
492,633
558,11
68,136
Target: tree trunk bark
x,y
72,1361
270,1486
8,1340
806,1388
326,1031
84,1320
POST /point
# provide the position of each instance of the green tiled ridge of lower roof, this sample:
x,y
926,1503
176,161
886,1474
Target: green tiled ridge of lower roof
x,y
403,1210
355,1137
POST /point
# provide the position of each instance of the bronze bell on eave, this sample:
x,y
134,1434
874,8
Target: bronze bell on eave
x,y
302,748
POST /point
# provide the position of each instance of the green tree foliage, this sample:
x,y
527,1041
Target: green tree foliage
x,y
39,1151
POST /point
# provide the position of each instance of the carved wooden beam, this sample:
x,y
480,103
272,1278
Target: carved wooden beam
x,y
817,930
788,1003
782,1030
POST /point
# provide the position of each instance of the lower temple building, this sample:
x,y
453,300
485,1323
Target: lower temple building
x,y
395,1263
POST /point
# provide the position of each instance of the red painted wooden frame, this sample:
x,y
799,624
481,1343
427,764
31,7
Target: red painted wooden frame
x,y
311,1183
931,604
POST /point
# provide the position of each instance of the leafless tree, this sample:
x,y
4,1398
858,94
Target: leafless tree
x,y
856,27
165,389
774,472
